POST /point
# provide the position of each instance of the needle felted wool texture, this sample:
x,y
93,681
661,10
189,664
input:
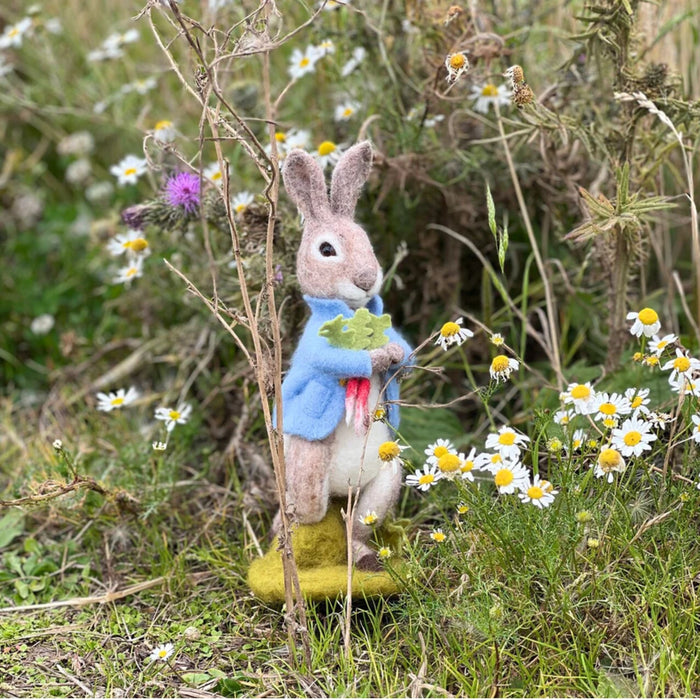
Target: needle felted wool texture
x,y
320,552
313,397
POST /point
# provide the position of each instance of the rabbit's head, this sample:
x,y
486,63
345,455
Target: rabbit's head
x,y
335,258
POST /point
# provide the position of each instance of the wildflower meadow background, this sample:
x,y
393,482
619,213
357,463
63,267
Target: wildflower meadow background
x,y
532,202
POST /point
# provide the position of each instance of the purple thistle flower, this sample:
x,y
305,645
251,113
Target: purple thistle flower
x,y
182,190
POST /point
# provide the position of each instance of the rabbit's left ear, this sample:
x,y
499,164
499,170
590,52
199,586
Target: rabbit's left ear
x,y
349,176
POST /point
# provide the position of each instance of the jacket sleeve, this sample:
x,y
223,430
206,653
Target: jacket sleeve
x,y
316,352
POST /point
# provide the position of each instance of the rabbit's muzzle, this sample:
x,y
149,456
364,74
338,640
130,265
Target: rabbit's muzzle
x,y
365,280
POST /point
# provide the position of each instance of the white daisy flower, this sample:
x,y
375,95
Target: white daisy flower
x,y
450,464
129,169
609,461
507,442
582,397
164,131
298,138
104,54
122,397
696,427
646,321
540,493
432,122
639,399
140,87
578,439
160,446
369,518
452,332
359,54
682,365
213,172
129,272
302,63
162,652
511,476
659,419
497,339
345,111
334,4
240,201
563,417
438,535
118,39
424,479
658,345
131,242
42,324
488,94
633,437
467,465
57,445
173,417
502,367
610,407
685,385
456,64
489,461
328,153
14,33
390,453
439,448
325,48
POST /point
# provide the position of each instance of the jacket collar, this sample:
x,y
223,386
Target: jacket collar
x,y
330,308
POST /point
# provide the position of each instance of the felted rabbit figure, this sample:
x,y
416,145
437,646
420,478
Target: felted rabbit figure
x,y
338,274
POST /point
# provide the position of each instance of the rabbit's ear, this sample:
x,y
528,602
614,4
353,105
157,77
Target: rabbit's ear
x,y
305,183
349,176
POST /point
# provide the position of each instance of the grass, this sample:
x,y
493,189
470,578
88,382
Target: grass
x,y
596,595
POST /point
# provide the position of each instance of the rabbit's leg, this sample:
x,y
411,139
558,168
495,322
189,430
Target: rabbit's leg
x,y
379,495
307,467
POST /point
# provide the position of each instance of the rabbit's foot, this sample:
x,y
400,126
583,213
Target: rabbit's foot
x,y
365,558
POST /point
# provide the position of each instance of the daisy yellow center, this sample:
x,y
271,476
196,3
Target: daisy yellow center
x,y
648,316
384,552
449,463
610,422
216,175
326,148
637,402
174,415
497,339
580,391
13,32
555,444
240,208
565,420
637,356
632,438
506,438
467,466
379,414
503,477
438,536
131,271
609,459
130,171
440,451
576,444
137,245
682,364
462,509
662,344
535,493
163,653
347,112
304,62
653,360
496,459
546,486
370,519
280,136
388,451
457,61
609,409
426,479
489,91
163,124
499,363
118,401
449,329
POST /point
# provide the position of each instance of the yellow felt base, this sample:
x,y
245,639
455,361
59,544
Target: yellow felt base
x,y
320,551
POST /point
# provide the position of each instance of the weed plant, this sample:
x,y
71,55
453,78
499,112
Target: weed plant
x,y
533,201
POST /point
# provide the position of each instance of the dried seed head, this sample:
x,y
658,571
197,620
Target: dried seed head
x,y
523,95
515,74
452,14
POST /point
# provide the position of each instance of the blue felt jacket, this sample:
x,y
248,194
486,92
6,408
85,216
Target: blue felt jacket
x,y
313,395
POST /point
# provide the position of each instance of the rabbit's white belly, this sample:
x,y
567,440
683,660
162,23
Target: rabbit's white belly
x,y
355,459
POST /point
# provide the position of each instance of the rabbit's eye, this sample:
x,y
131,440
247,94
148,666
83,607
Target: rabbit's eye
x,y
327,250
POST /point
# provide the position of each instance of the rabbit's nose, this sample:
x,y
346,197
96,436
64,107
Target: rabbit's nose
x,y
365,280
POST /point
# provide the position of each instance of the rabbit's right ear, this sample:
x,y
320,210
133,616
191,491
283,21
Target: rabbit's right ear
x,y
305,184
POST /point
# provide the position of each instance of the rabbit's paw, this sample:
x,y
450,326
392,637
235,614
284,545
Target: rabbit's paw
x,y
365,558
382,358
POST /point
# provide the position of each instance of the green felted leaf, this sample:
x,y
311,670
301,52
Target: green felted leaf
x,y
363,331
